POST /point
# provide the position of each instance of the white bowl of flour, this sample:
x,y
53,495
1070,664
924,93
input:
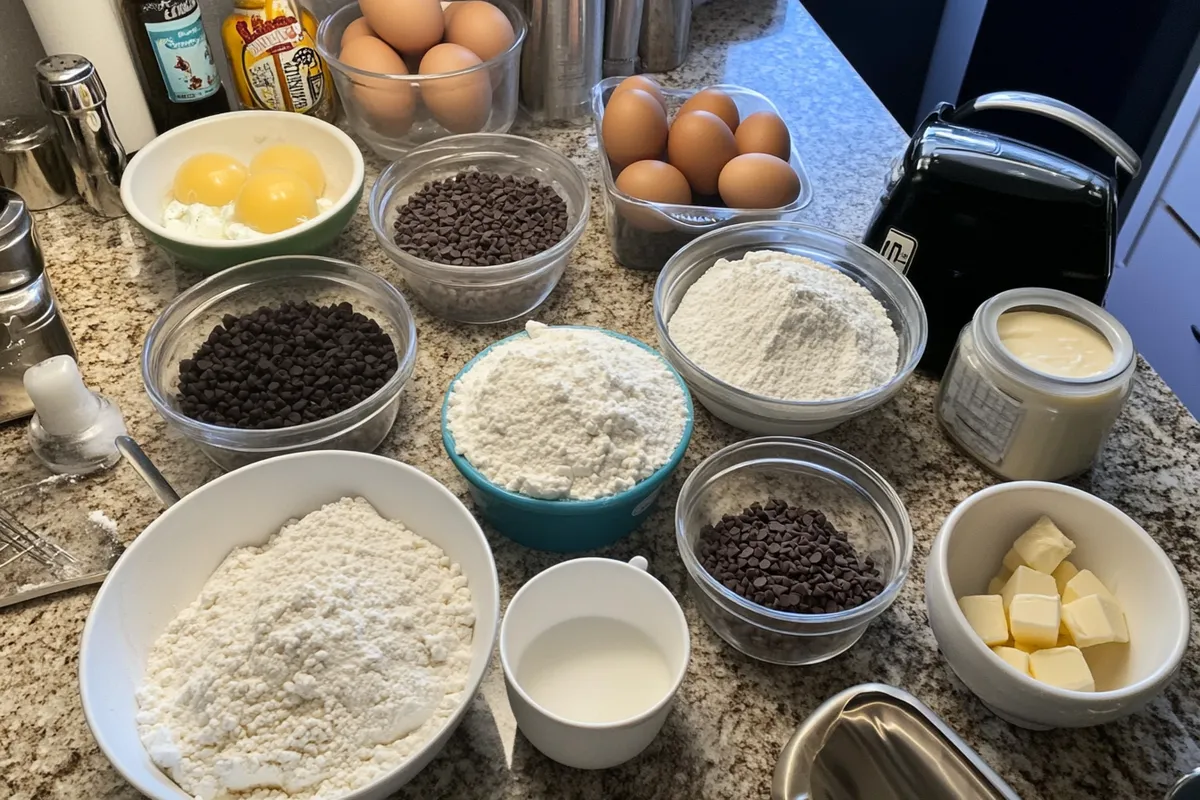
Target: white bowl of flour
x,y
307,598
787,329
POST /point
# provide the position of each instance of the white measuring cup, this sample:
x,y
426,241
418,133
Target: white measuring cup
x,y
580,592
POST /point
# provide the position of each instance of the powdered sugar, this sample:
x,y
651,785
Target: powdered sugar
x,y
785,326
567,413
309,667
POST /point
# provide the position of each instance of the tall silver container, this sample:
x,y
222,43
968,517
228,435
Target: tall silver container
x,y
666,34
561,60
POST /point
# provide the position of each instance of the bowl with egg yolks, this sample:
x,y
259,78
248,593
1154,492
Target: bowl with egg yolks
x,y
242,186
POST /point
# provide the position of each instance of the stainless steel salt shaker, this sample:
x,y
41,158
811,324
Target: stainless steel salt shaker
x,y
666,34
31,327
561,60
622,28
71,90
32,164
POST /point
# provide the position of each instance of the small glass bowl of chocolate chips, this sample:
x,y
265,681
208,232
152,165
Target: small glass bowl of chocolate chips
x,y
792,547
281,355
480,225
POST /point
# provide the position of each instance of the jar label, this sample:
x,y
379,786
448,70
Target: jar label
x,y
280,64
984,419
181,49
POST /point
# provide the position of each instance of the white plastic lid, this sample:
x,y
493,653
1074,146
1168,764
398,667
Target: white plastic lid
x,y
64,404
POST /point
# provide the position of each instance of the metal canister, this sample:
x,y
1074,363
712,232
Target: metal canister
x,y
666,34
622,30
71,90
31,327
561,60
32,164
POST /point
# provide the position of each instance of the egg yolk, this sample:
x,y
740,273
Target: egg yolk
x,y
209,178
292,158
274,201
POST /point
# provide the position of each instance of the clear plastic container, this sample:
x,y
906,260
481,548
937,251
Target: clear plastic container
x,y
1019,422
188,320
481,295
638,248
854,497
386,137
754,412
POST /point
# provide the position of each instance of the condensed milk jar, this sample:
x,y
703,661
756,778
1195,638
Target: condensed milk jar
x,y
1036,381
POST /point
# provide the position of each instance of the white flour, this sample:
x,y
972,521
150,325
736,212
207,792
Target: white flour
x,y
785,326
310,666
567,413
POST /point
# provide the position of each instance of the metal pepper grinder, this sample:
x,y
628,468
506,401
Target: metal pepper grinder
x,y
31,327
71,90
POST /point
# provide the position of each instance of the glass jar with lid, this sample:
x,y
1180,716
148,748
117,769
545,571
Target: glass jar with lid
x,y
1036,381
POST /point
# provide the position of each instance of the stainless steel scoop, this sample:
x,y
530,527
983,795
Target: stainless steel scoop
x,y
879,742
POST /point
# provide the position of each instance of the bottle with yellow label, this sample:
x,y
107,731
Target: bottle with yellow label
x,y
271,45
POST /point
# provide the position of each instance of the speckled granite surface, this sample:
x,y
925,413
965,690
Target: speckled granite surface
x,y
733,715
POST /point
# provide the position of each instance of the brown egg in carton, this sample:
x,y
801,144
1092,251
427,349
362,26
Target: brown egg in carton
x,y
706,156
419,37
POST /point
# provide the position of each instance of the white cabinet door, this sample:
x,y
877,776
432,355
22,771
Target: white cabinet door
x,y
1156,295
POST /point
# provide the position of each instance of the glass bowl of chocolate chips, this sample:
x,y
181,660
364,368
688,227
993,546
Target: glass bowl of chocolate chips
x,y
281,355
792,547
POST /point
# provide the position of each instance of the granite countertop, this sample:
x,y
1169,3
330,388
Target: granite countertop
x,y
733,714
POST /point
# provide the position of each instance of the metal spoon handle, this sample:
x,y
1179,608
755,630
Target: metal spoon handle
x,y
145,468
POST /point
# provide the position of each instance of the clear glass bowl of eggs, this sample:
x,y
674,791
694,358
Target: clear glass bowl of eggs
x,y
678,163
412,72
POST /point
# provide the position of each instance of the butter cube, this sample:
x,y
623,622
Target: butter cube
x,y
1063,667
1043,546
1017,659
1028,581
1063,573
1083,584
1095,619
985,613
1012,560
1033,619
996,584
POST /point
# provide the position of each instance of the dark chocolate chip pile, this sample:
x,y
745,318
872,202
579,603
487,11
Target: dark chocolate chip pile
x,y
787,558
480,219
278,367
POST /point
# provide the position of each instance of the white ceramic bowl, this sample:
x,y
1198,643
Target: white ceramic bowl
x,y
968,551
166,566
146,183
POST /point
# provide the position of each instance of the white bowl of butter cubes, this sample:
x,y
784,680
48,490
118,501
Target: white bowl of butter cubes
x,y
1055,608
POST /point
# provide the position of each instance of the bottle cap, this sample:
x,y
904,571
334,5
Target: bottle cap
x,y
64,404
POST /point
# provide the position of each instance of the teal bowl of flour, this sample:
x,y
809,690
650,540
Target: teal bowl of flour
x,y
566,525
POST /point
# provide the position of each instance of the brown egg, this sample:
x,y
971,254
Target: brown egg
x,y
387,104
640,82
764,132
356,29
656,181
700,145
480,27
460,103
410,26
634,128
713,101
758,180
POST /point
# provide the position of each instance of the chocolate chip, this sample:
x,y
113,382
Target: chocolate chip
x,y
262,370
481,219
821,574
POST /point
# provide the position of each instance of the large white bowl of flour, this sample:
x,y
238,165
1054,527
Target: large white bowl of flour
x,y
167,566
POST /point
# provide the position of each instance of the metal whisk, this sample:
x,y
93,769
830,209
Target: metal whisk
x,y
17,541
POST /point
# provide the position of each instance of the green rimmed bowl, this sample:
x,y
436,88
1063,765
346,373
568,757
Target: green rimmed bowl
x,y
146,184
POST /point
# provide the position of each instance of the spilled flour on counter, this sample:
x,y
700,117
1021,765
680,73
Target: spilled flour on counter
x,y
311,666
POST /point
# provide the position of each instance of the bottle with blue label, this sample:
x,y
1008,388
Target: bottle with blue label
x,y
178,70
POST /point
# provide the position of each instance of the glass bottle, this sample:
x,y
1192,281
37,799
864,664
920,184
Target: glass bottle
x,y
271,46
179,74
